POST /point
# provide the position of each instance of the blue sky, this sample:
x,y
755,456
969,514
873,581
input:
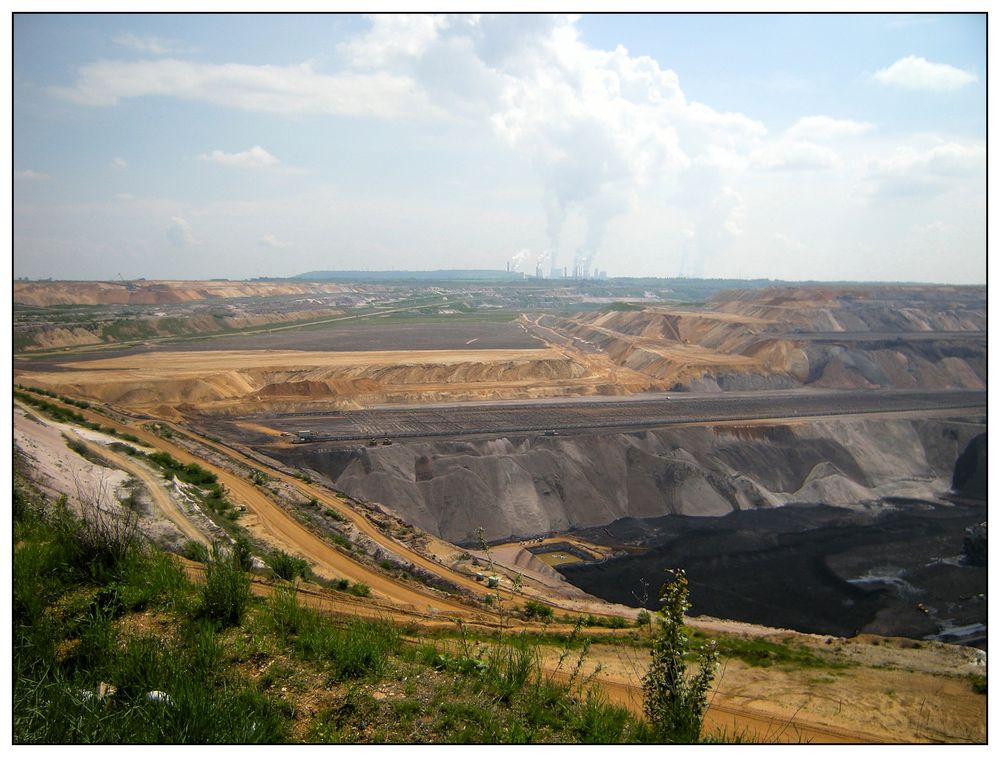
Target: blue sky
x,y
778,146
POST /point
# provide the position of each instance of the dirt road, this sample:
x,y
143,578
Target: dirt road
x,y
154,485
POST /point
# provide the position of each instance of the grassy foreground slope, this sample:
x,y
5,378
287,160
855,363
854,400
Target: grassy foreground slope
x,y
114,643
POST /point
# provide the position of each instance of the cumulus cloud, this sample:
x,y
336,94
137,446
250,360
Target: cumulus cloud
x,y
825,127
394,36
255,157
910,170
119,163
150,45
179,232
598,126
914,72
31,175
791,155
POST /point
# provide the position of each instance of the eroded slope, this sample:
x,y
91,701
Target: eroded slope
x,y
516,487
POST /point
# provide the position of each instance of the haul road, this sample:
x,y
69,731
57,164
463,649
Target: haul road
x,y
466,420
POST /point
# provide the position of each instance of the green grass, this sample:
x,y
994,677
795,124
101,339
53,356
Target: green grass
x,y
213,494
287,567
64,415
226,591
70,598
763,653
360,649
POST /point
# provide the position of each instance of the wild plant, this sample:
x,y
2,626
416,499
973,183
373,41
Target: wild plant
x,y
674,702
226,591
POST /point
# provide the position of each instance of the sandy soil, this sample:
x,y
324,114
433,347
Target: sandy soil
x,y
62,471
58,468
247,381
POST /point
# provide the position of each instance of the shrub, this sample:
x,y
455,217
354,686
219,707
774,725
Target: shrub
x,y
360,590
226,591
242,553
341,541
194,550
643,618
673,701
106,535
286,566
533,609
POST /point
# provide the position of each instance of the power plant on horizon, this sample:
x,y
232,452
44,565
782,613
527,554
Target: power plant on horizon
x,y
579,272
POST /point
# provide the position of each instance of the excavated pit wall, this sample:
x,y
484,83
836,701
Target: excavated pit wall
x,y
523,486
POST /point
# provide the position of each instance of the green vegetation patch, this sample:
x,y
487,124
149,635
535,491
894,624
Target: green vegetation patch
x,y
759,652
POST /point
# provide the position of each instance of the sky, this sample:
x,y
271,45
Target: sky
x,y
782,146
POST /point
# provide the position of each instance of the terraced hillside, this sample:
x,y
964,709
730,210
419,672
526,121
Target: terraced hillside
x,y
811,336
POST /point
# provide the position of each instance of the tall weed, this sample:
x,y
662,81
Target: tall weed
x,y
226,591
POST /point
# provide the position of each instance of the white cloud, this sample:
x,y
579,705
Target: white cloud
x,y
732,209
790,155
179,232
914,72
119,163
269,89
124,197
150,45
271,241
393,36
825,127
910,170
255,157
31,175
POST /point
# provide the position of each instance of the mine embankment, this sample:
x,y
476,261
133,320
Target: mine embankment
x,y
518,486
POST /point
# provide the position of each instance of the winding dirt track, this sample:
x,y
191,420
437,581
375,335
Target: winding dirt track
x,y
269,521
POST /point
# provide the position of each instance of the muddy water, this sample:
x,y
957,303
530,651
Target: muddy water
x,y
893,569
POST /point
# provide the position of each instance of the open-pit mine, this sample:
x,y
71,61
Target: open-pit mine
x,y
813,456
